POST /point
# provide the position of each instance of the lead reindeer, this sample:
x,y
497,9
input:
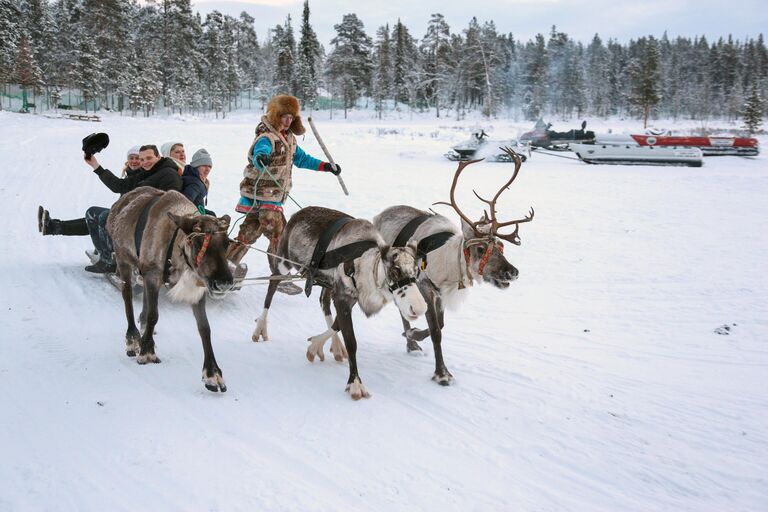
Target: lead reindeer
x,y
350,260
161,235
452,259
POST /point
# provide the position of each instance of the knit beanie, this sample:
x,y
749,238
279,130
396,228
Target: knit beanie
x,y
201,157
133,151
165,149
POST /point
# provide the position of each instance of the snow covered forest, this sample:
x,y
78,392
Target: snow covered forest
x,y
162,57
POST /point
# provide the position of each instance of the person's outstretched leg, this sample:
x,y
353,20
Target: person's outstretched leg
x,y
48,226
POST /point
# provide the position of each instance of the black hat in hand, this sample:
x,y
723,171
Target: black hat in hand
x,y
94,143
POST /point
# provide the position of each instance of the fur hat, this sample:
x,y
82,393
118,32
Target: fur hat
x,y
165,149
284,104
201,157
95,142
133,151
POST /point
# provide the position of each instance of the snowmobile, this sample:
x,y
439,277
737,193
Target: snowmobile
x,y
479,146
542,137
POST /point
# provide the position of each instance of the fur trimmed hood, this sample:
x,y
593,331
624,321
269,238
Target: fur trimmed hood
x,y
285,104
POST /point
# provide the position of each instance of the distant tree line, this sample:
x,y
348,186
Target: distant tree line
x,y
161,55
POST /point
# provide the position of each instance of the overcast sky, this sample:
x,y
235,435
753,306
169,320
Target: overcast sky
x,y
580,19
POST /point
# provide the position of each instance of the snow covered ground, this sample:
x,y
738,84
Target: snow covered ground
x,y
595,382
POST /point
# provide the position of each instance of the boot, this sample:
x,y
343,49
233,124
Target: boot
x,y
102,267
236,251
42,220
48,226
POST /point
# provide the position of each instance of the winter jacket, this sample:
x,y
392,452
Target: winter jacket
x,y
272,187
194,188
164,175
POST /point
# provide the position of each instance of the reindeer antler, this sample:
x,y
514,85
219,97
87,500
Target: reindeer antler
x,y
495,224
453,204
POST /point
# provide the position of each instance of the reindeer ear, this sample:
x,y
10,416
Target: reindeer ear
x,y
413,245
467,230
224,222
384,252
186,224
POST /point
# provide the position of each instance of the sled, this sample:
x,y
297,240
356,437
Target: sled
x,y
113,278
628,154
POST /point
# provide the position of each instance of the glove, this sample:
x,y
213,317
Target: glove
x,y
263,160
333,168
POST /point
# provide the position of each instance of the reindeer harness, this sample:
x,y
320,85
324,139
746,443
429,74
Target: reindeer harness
x,y
426,244
322,259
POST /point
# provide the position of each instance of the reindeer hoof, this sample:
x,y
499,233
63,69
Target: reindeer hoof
x,y
260,331
444,379
147,358
338,349
214,382
412,347
132,343
356,390
311,355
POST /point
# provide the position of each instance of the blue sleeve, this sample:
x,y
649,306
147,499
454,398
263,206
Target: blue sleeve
x,y
305,161
262,147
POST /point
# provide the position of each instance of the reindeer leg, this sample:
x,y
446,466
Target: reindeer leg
x,y
132,334
261,322
212,376
344,320
147,343
412,336
317,343
434,320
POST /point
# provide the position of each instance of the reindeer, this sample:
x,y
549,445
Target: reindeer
x,y
161,235
357,268
452,259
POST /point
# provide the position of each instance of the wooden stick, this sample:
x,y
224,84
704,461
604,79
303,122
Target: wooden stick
x,y
327,154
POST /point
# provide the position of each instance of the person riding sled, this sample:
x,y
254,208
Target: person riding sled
x,y
158,172
268,176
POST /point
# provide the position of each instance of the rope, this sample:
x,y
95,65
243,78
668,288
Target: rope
x,y
255,203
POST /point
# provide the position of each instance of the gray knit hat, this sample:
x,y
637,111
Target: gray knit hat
x,y
201,157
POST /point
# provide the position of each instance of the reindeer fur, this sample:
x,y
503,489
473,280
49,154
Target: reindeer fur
x,y
372,270
188,280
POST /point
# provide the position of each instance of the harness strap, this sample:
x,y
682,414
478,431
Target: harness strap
x,y
168,254
320,247
430,243
426,244
409,229
142,222
348,252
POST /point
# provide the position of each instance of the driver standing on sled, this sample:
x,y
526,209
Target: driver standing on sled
x,y
267,180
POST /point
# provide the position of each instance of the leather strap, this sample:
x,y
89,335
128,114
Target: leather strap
x,y
320,248
168,254
409,229
426,244
142,222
